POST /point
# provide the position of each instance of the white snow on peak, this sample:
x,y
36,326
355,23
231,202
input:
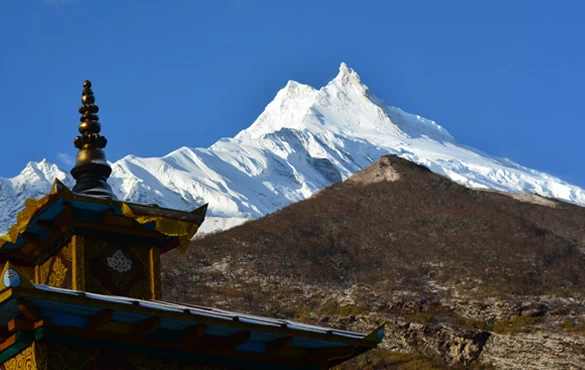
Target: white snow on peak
x,y
304,140
285,111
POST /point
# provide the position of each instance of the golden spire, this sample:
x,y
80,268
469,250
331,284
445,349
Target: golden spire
x,y
91,169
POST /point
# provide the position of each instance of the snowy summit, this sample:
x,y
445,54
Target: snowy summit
x,y
305,140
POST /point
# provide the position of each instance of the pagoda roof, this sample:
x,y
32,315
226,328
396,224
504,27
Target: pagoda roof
x,y
185,330
44,222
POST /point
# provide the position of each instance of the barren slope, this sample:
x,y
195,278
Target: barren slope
x,y
454,271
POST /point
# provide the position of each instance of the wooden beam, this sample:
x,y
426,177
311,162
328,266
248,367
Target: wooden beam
x,y
31,253
31,238
231,341
69,210
107,214
47,225
20,323
237,339
4,334
45,321
146,326
192,333
116,229
329,354
278,344
8,342
178,346
99,319
28,309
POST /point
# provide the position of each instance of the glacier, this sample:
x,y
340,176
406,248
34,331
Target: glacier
x,y
304,140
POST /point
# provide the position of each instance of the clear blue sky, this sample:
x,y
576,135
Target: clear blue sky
x,y
506,77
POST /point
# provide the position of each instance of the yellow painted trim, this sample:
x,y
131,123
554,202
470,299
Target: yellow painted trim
x,y
183,230
73,263
80,246
151,272
5,294
155,279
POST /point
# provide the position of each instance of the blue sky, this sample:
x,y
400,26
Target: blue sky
x,y
506,77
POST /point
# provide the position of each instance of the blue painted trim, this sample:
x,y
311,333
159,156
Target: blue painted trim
x,y
64,319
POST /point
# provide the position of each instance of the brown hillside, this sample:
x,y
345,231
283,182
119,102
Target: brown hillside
x,y
422,226
394,229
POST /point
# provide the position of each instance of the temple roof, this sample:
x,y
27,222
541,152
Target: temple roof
x,y
152,325
43,221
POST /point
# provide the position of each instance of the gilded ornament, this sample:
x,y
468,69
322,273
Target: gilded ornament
x,y
23,360
58,274
67,252
91,169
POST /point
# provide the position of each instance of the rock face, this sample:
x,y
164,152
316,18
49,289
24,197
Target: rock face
x,y
455,345
462,278
536,351
537,343
380,171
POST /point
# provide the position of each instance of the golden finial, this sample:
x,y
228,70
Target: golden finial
x,y
91,169
89,127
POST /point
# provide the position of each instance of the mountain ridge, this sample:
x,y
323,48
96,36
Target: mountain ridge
x,y
471,279
304,140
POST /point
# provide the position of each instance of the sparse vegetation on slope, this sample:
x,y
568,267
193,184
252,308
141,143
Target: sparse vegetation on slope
x,y
420,249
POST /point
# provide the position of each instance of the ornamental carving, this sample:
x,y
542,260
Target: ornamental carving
x,y
119,262
71,358
67,252
58,274
23,360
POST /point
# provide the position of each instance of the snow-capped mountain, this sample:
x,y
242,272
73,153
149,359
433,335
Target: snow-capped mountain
x,y
305,140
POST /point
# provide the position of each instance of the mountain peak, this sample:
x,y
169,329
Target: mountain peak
x,y
344,69
348,80
294,89
42,171
304,140
387,168
347,75
290,105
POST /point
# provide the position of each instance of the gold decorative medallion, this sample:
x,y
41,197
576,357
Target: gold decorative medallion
x,y
58,274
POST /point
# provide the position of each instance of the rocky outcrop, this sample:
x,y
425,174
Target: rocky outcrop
x,y
541,350
454,345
